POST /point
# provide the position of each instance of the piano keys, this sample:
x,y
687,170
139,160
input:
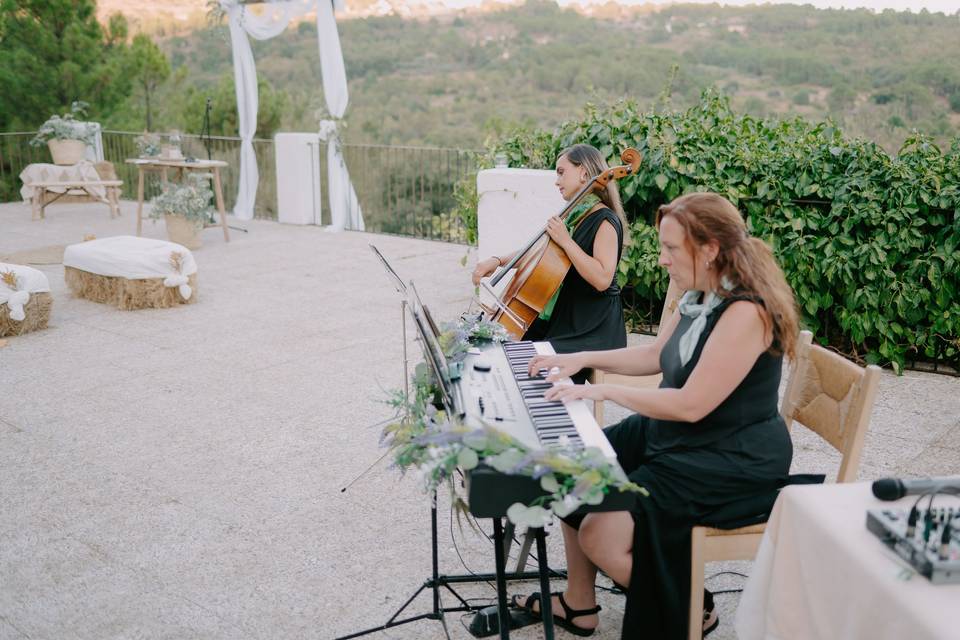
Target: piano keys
x,y
496,388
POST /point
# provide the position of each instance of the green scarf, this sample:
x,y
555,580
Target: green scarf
x,y
589,202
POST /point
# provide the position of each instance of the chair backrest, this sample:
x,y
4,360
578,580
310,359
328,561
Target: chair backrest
x,y
833,397
105,170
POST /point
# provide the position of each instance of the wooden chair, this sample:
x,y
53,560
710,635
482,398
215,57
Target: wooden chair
x,y
600,376
827,394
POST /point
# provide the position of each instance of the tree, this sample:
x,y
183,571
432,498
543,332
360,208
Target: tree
x,y
223,111
150,68
53,52
117,31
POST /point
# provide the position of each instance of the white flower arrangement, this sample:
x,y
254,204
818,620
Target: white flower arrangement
x,y
66,127
329,128
190,199
148,144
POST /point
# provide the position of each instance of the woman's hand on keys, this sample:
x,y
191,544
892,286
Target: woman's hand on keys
x,y
565,392
558,366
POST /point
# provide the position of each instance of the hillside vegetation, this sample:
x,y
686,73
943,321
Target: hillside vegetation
x,y
455,80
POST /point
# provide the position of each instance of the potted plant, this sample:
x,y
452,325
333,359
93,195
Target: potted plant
x,y
185,207
148,145
66,137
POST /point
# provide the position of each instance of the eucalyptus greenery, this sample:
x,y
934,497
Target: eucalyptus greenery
x,y
66,127
432,444
190,199
869,242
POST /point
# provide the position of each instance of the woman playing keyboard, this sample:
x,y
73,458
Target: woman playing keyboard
x,y
708,440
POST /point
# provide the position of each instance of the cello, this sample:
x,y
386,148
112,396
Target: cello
x,y
542,265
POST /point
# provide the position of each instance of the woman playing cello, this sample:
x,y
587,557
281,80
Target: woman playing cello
x,y
586,312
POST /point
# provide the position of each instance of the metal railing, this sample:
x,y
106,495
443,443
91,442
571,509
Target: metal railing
x,y
402,190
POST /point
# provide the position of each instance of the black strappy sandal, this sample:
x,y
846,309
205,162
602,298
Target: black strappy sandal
x,y
709,626
564,623
710,618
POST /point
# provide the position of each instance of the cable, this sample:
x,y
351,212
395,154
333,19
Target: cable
x,y
722,591
732,573
554,573
917,501
456,548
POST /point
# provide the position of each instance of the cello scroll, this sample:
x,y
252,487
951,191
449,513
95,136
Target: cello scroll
x,y
632,159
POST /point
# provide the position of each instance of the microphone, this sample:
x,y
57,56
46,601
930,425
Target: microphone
x,y
896,488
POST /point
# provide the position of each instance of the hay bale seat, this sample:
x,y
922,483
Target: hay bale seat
x,y
131,272
25,300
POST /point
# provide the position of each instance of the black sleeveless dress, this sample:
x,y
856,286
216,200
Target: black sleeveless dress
x,y
723,471
583,318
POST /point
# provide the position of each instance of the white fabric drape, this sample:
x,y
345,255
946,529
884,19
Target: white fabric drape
x,y
344,207
272,20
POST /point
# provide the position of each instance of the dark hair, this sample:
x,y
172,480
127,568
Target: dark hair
x,y
588,157
745,260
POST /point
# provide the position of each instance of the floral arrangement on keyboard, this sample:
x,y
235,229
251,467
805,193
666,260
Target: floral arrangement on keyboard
x,y
434,445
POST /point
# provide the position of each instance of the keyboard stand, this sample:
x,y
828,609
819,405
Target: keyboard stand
x,y
528,539
546,604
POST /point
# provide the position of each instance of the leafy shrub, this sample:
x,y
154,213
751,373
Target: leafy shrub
x,y
869,242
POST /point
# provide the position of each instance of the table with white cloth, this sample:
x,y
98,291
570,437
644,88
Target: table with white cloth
x,y
819,574
180,166
42,179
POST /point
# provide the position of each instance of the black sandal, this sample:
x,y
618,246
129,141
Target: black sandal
x,y
709,626
710,618
565,622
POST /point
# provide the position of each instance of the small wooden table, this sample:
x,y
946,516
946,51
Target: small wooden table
x,y
163,166
42,188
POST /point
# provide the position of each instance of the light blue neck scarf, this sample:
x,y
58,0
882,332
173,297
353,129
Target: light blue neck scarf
x,y
699,312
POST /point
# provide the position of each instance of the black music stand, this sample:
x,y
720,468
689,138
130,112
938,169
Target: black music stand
x,y
434,357
402,290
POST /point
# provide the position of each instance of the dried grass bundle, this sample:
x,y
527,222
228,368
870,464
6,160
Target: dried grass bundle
x,y
37,312
124,293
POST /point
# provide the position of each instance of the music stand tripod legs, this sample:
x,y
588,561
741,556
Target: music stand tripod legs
x,y
501,576
433,583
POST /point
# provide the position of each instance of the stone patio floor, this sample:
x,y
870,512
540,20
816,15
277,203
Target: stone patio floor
x,y
179,473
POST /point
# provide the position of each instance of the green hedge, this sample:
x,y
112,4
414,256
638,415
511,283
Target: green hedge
x,y
869,242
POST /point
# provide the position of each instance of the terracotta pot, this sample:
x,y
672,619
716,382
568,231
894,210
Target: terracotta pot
x,y
66,151
182,231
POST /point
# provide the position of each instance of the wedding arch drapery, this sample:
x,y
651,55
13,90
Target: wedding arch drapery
x,y
270,20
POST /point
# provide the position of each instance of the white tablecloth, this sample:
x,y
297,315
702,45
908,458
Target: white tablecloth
x,y
42,172
28,279
819,574
129,257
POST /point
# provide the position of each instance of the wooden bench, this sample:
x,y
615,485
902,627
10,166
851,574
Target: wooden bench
x,y
45,188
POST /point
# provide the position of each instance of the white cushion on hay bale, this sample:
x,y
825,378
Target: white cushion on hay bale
x,y
131,272
25,299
